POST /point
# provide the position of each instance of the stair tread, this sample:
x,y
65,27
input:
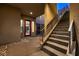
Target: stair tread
x,y
59,42
59,35
54,51
57,48
63,26
62,38
56,44
48,52
61,31
58,29
40,53
59,39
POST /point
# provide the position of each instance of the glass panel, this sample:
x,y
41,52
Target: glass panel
x,y
27,27
32,26
21,25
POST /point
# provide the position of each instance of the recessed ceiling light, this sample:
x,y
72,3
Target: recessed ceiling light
x,y
31,13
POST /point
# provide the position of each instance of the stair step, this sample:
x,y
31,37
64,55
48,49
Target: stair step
x,y
57,48
63,26
58,42
40,53
62,29
59,35
48,52
62,38
66,23
61,32
59,39
54,51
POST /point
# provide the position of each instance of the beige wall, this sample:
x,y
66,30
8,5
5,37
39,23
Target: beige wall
x,y
9,24
50,12
34,27
53,7
74,15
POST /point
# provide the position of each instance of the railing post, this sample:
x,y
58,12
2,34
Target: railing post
x,y
70,42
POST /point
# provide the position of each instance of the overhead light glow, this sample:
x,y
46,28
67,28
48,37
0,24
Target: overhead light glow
x,y
31,13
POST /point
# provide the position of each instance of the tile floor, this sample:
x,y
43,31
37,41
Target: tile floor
x,y
26,47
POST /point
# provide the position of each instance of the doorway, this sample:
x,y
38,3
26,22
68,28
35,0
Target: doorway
x,y
27,28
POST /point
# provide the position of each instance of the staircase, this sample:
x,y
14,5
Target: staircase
x,y
57,42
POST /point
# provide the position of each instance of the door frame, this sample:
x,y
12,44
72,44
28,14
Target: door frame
x,y
25,27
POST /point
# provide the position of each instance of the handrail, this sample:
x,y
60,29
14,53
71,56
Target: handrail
x,y
71,36
70,26
49,23
48,27
54,17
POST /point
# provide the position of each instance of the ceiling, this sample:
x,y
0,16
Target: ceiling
x,y
37,9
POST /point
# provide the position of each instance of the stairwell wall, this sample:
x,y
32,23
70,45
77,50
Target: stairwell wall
x,y
74,15
49,13
9,24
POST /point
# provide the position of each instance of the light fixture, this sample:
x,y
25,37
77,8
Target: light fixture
x,y
40,17
31,13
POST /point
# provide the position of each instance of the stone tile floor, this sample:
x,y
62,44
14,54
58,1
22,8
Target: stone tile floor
x,y
25,47
3,50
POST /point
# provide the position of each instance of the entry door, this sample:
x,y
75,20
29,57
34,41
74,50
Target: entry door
x,y
28,28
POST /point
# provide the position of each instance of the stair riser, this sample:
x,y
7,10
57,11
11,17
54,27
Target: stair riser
x,y
63,26
48,52
62,38
59,42
57,48
60,33
61,30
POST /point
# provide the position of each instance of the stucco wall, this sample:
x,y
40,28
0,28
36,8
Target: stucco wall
x,y
9,24
49,13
